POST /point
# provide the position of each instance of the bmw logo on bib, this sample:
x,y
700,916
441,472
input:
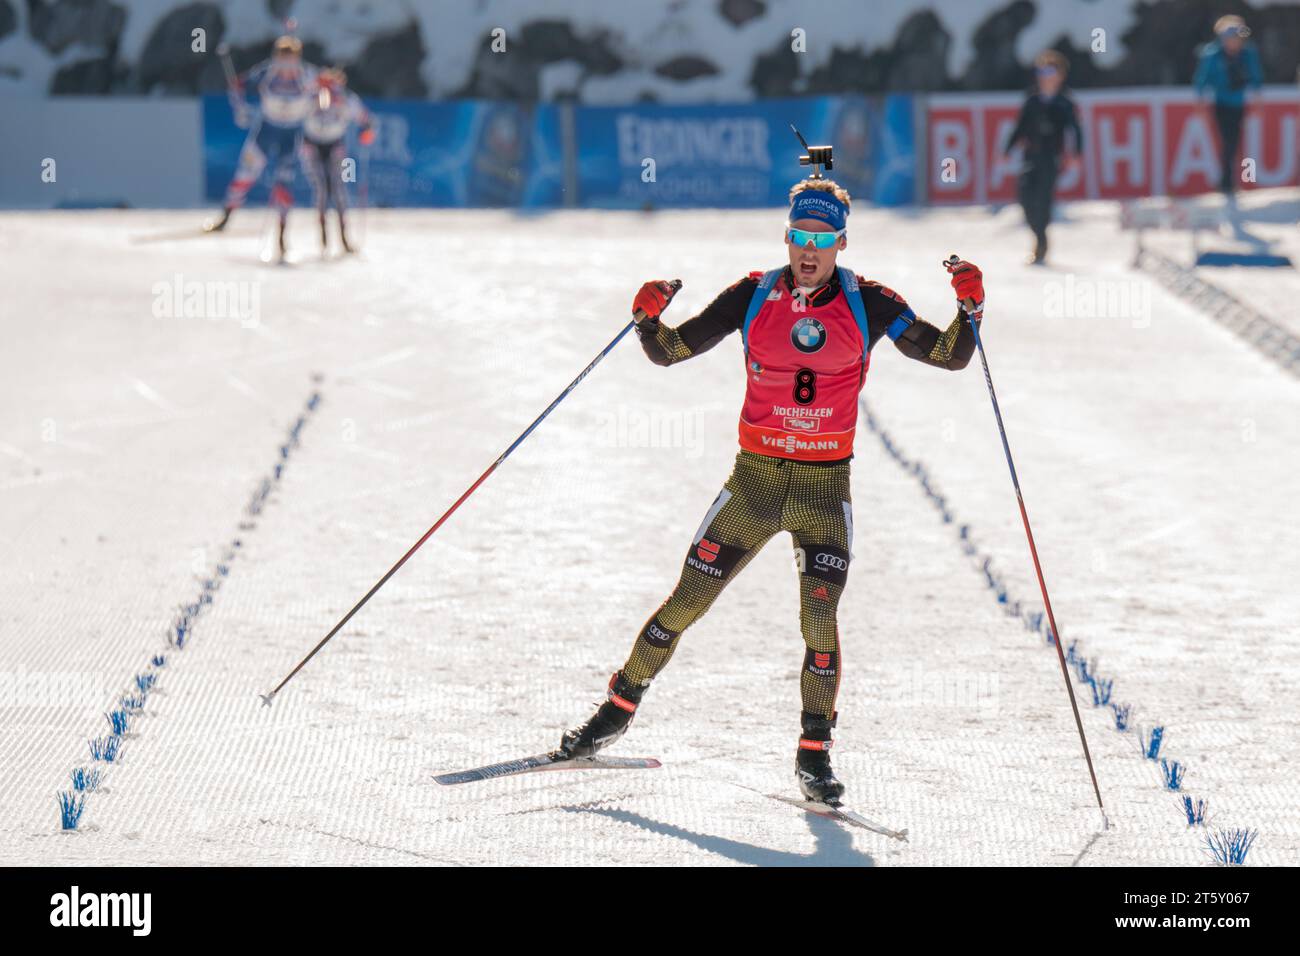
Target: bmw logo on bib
x,y
808,335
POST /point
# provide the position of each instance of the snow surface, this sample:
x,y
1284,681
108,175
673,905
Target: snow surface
x,y
1265,221
1158,456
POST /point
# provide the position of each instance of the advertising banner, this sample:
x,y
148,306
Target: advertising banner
x,y
650,156
1150,142
459,153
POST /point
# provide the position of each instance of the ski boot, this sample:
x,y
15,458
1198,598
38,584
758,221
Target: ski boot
x,y
1040,252
812,762
608,723
216,225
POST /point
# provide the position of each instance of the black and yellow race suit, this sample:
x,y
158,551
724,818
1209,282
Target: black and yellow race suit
x,y
767,494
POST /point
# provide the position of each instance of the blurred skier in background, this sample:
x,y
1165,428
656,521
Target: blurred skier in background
x,y
283,86
333,110
1228,67
1048,132
807,330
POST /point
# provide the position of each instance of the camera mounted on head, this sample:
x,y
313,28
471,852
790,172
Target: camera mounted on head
x,y
818,157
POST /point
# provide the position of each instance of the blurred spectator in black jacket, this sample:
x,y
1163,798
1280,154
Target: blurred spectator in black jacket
x,y
1048,132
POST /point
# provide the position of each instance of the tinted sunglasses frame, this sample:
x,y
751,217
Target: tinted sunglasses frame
x,y
831,238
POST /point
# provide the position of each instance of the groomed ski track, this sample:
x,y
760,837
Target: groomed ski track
x,y
1158,455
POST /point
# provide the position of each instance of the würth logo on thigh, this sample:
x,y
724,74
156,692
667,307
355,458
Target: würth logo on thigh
x,y
713,558
75,909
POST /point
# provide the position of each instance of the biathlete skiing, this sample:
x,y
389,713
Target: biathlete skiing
x,y
335,108
806,330
284,85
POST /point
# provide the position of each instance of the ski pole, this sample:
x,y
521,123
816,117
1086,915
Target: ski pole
x,y
228,67
267,698
364,191
950,264
234,88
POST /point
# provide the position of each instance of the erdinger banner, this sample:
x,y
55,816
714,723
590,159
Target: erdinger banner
x,y
1147,142
476,153
650,156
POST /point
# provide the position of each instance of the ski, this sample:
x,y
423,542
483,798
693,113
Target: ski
x,y
837,811
555,760
196,232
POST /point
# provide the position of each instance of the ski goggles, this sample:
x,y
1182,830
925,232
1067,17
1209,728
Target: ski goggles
x,y
805,237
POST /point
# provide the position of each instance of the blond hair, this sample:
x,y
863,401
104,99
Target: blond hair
x,y
823,186
1055,59
1230,21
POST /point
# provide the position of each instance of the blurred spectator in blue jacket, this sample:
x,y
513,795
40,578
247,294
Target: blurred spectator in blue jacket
x,y
1229,65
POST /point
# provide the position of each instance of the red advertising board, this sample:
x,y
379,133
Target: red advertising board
x,y
1146,142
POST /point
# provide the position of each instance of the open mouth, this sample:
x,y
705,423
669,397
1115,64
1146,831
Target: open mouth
x,y
807,270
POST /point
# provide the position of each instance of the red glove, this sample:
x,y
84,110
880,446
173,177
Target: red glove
x,y
367,136
968,281
651,300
